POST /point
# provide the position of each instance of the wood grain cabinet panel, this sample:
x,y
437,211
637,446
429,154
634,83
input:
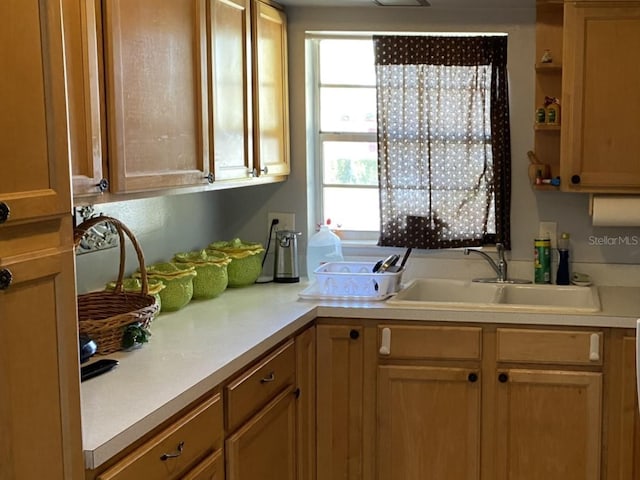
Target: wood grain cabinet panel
x,y
549,425
428,423
600,142
231,88
211,468
258,385
264,447
174,450
270,90
85,98
157,96
33,126
40,434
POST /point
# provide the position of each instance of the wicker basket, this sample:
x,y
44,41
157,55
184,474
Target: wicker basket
x,y
104,315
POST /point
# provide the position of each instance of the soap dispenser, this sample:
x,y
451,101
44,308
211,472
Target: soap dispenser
x,y
563,276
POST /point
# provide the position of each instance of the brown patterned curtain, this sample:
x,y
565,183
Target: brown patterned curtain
x,y
444,149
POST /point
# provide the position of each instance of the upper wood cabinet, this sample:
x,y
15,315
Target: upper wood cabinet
x,y
231,88
600,148
33,141
157,99
270,87
85,98
170,94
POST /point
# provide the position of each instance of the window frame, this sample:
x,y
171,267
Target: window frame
x,y
366,236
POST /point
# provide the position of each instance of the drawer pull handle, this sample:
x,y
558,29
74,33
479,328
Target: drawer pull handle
x,y
594,347
385,342
177,453
269,378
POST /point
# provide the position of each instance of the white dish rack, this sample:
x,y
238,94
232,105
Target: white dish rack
x,y
352,281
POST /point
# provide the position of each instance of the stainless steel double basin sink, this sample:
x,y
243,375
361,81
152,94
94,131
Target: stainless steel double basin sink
x,y
462,294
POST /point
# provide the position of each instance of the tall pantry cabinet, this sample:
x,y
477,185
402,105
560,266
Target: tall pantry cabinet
x,y
39,382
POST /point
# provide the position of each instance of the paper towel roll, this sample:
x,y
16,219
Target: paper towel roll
x,y
615,210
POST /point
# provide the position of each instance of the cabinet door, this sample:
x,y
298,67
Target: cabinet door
x,y
156,70
306,405
39,381
548,425
600,141
271,115
621,401
429,423
84,99
339,417
264,447
231,88
211,468
34,179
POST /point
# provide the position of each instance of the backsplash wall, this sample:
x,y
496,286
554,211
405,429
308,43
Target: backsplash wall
x,y
162,226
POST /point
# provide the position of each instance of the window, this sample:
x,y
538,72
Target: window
x,y
347,144
411,124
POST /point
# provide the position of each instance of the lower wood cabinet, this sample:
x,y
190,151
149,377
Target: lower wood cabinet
x,y
548,410
264,447
548,425
177,450
211,468
428,422
271,415
429,402
474,402
340,400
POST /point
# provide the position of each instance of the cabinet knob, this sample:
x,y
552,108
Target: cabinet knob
x,y
252,172
575,179
103,185
210,178
265,170
5,211
473,377
6,277
354,334
503,378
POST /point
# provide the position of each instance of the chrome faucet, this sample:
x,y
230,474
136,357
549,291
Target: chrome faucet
x,y
500,267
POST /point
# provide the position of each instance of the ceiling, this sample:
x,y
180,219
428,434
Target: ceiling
x,y
434,3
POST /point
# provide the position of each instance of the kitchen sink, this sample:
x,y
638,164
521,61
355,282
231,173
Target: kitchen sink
x,y
445,291
461,294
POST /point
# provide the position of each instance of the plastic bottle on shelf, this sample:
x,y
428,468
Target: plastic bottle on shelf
x,y
563,276
323,246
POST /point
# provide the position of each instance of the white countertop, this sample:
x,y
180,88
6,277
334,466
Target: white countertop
x,y
195,349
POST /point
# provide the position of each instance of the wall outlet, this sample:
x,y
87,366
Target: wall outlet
x,y
549,229
286,221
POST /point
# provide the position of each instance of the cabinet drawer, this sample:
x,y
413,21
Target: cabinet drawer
x,y
259,384
190,438
549,346
422,342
